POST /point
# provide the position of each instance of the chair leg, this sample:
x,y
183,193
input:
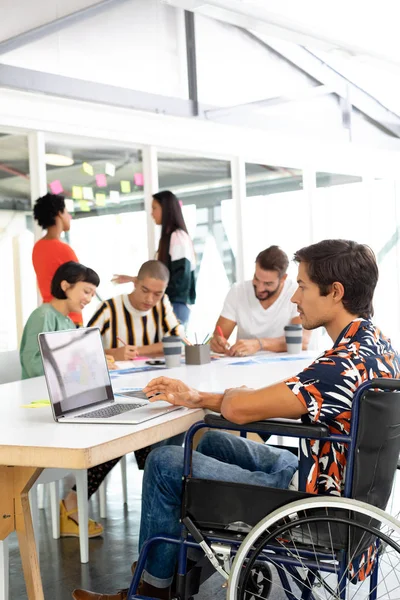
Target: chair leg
x,y
55,509
41,495
33,501
83,513
124,480
4,570
103,499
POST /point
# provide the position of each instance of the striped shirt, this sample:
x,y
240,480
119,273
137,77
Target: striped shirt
x,y
117,317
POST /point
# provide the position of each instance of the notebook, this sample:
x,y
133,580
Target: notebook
x,y
79,385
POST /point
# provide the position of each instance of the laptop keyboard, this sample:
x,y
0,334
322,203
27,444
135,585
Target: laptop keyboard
x,y
110,411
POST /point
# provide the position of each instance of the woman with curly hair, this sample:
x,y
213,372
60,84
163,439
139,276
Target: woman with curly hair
x,y
50,251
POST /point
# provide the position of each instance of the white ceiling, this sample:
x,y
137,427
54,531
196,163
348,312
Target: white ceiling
x,y
356,27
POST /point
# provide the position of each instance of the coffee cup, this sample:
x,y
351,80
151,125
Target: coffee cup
x,y
172,346
294,338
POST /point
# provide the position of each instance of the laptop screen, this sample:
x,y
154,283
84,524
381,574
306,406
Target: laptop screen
x,y
75,368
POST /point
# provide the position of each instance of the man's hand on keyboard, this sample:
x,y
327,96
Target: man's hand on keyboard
x,y
173,391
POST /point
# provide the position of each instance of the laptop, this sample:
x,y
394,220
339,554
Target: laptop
x,y
79,385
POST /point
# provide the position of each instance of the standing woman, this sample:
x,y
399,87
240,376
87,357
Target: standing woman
x,y
50,251
176,251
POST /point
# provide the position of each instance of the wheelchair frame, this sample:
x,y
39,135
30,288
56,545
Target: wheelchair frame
x,y
191,537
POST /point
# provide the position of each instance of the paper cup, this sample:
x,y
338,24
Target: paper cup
x,y
294,338
172,346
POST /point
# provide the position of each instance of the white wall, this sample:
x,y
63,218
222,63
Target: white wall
x,y
136,45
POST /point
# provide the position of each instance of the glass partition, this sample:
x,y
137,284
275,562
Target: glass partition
x,y
276,211
367,212
18,289
203,186
103,187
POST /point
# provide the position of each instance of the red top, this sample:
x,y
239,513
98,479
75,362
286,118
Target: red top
x,y
47,256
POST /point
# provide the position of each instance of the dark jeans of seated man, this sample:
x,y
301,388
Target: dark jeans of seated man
x,y
219,456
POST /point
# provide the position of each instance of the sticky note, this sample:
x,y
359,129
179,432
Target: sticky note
x,y
37,404
88,193
84,206
56,186
125,187
77,192
114,196
138,179
69,205
101,180
100,199
110,169
87,168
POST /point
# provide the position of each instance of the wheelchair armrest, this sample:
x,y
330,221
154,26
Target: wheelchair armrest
x,y
289,427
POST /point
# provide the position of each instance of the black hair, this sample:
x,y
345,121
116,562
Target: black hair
x,y
155,269
273,259
72,272
351,264
47,208
172,219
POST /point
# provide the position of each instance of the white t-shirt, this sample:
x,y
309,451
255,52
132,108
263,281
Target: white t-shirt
x,y
254,321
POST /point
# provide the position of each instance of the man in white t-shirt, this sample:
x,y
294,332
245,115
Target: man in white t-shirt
x,y
260,308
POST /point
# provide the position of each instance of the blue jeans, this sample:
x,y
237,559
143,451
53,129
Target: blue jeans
x,y
175,440
220,456
182,312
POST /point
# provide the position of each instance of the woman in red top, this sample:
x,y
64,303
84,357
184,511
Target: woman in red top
x,y
50,252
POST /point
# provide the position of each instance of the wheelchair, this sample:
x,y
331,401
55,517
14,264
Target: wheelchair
x,y
288,544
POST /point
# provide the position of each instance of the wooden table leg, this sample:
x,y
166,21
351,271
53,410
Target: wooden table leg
x,y
15,515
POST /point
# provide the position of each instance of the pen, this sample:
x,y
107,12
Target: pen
x,y
122,341
220,333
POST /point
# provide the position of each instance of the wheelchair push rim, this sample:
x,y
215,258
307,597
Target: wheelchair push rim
x,y
309,564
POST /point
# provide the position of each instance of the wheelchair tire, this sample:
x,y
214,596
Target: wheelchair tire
x,y
322,548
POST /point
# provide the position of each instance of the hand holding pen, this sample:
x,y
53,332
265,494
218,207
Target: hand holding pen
x,y
219,343
127,352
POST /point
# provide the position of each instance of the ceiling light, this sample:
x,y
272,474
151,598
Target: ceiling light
x,y
59,158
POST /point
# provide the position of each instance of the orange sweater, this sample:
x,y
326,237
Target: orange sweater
x,y
47,256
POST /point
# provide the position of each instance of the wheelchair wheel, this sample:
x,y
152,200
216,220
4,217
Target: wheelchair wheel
x,y
321,548
259,581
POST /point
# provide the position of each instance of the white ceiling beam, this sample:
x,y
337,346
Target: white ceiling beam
x,y
297,96
37,33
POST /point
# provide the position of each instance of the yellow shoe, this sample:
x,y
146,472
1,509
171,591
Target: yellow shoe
x,y
70,528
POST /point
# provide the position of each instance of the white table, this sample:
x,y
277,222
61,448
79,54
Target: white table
x,y
30,440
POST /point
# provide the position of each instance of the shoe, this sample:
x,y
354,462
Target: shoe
x,y
85,595
70,528
144,589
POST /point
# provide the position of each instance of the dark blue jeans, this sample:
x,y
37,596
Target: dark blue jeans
x,y
182,312
220,456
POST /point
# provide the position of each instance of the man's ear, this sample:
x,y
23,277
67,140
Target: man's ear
x,y
337,291
284,277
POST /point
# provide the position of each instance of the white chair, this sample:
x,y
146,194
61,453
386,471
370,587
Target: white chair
x,y
103,489
10,370
10,367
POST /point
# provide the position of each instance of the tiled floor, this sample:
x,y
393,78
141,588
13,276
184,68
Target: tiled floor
x,y
111,555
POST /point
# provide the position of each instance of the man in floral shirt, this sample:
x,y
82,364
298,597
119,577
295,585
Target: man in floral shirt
x,y
336,283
